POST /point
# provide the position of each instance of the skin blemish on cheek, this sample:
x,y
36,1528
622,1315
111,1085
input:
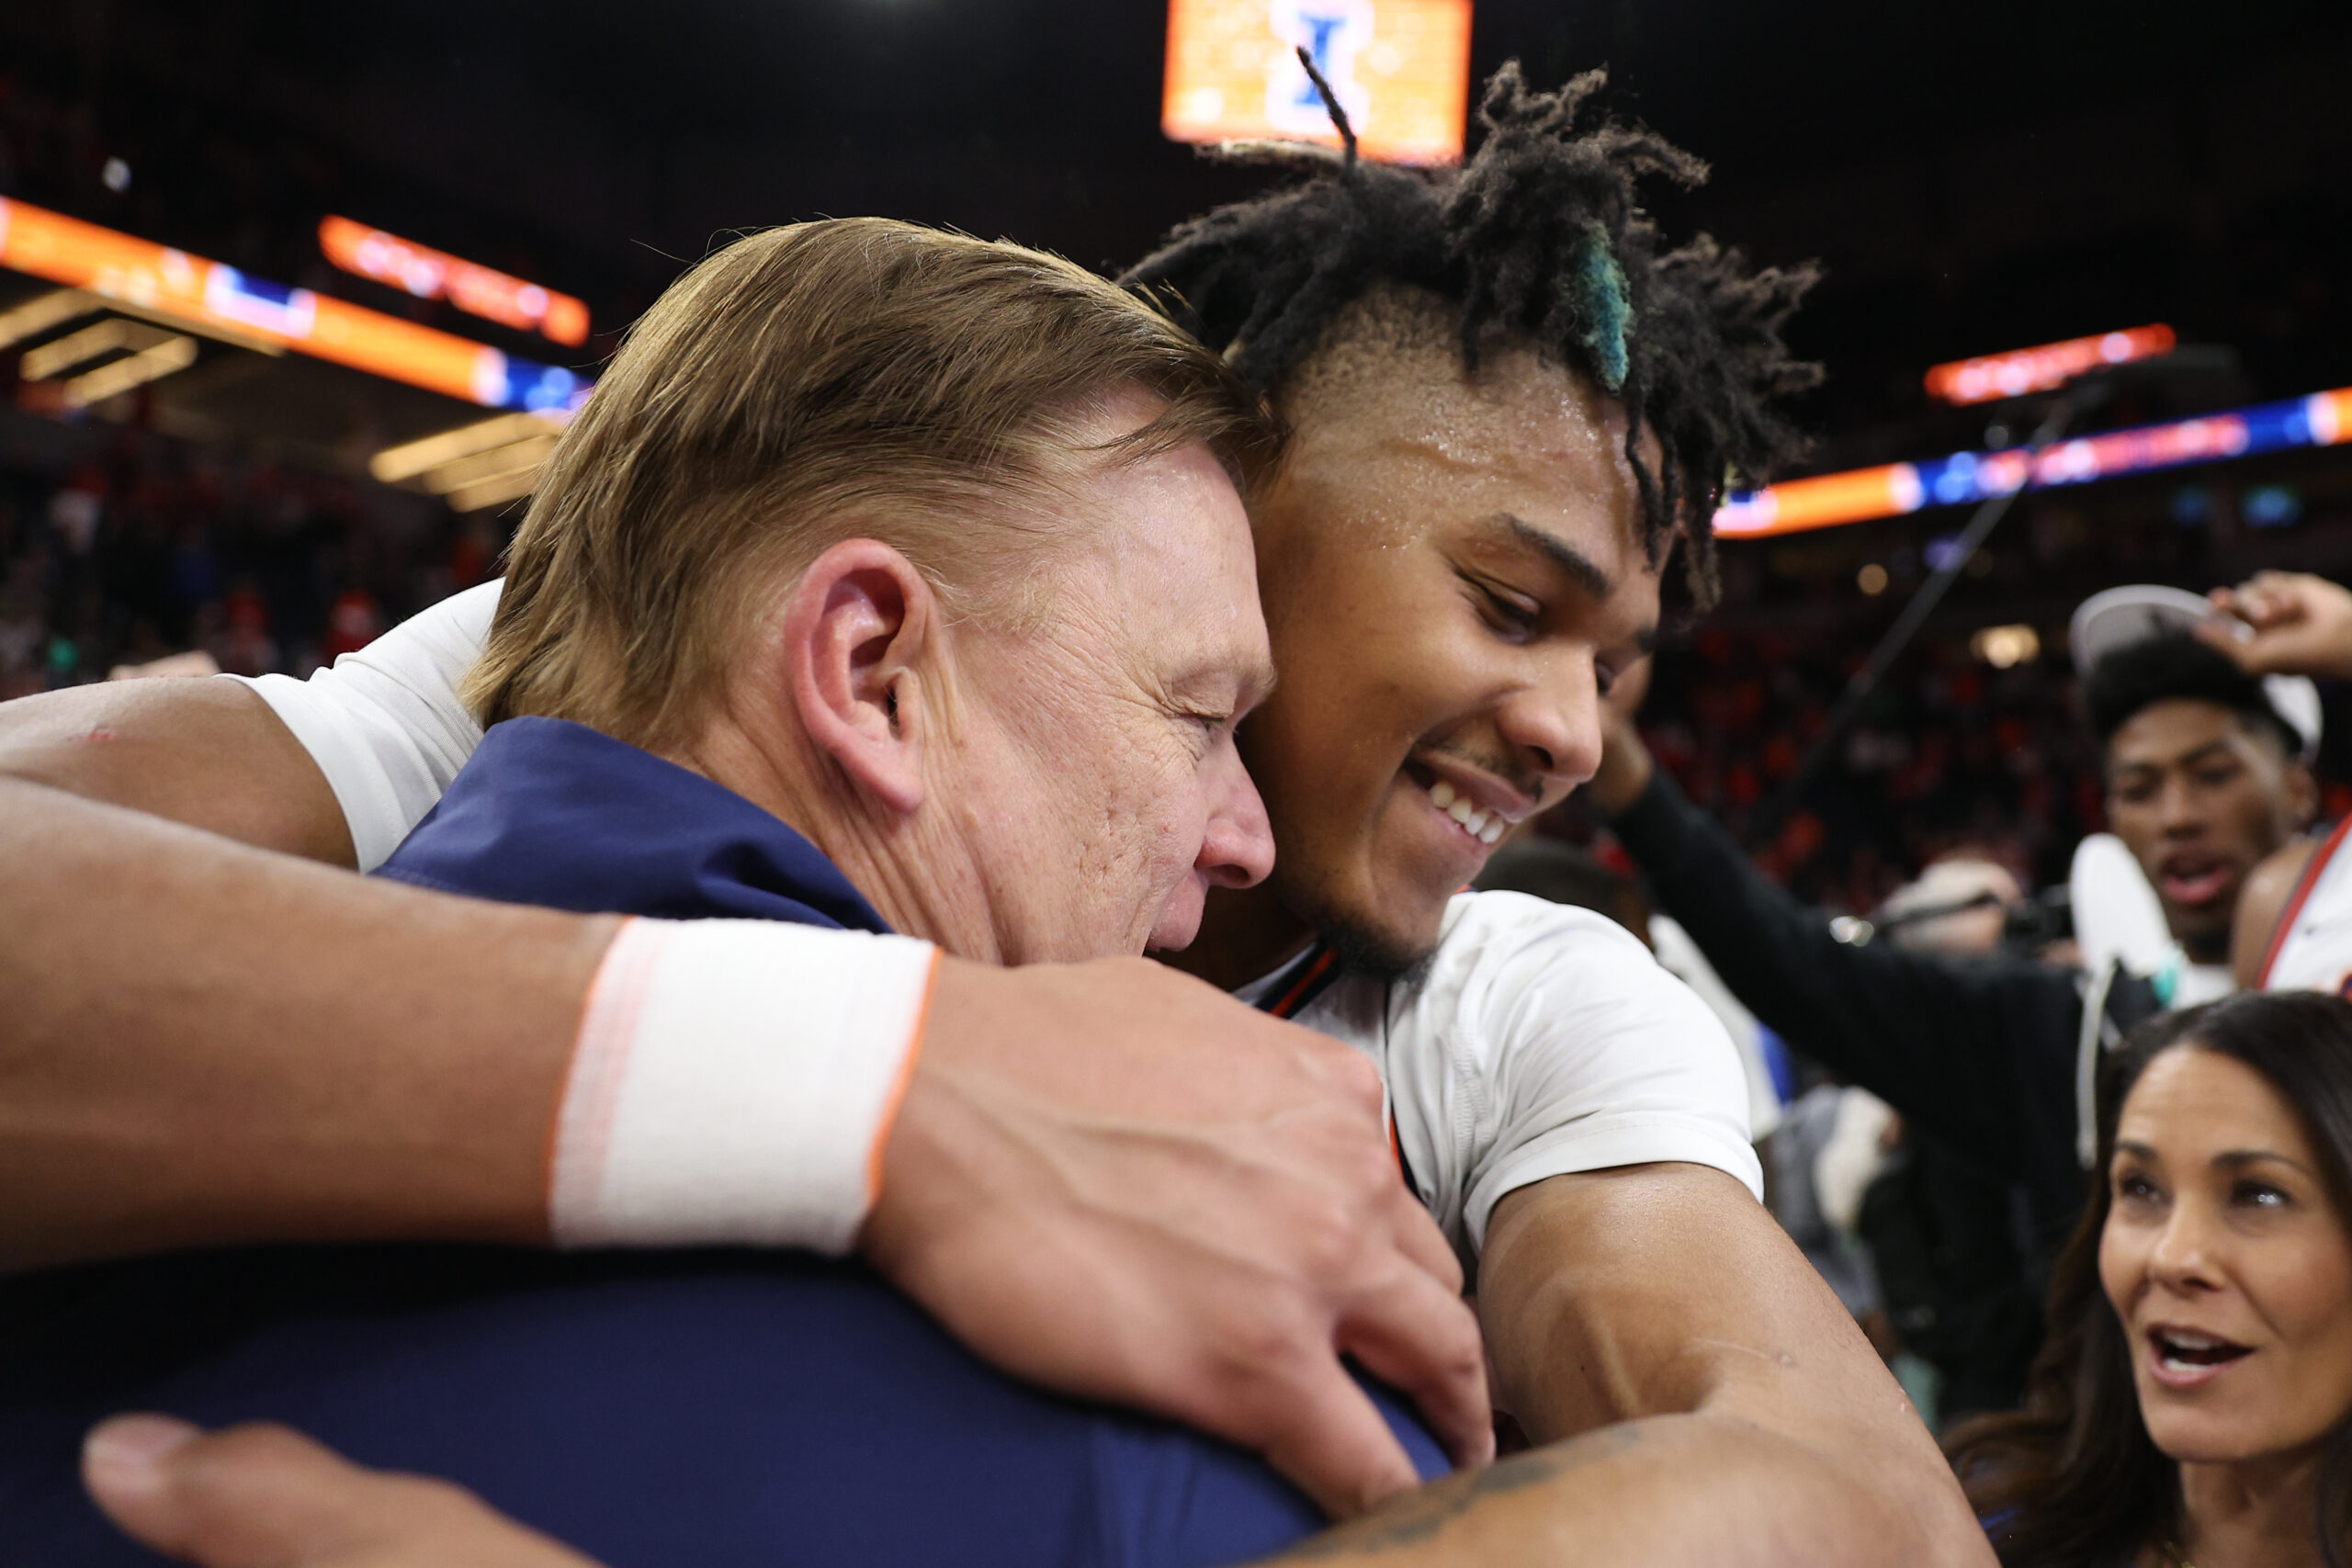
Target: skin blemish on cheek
x,y
97,736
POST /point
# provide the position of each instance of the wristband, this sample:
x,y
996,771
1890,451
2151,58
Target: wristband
x,y
734,1081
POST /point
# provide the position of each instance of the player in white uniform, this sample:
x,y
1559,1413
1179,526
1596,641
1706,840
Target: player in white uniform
x,y
2309,947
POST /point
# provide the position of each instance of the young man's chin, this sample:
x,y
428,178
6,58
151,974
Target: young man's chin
x,y
1378,948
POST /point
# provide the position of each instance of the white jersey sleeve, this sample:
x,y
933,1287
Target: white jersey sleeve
x,y
384,724
2311,948
1538,1041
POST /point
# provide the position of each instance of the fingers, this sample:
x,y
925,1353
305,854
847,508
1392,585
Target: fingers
x,y
267,1497
2219,635
1423,1338
1421,1241
1334,1445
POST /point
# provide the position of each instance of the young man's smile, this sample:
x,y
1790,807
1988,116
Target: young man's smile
x,y
1452,575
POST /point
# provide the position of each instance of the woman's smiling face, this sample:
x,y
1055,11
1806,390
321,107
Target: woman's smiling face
x,y
2226,1257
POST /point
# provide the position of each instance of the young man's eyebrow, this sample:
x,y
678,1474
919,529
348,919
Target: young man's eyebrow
x,y
1560,553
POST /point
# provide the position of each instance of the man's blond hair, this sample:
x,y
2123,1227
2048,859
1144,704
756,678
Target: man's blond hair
x,y
855,377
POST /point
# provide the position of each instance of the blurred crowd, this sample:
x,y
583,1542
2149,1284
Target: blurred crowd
x,y
147,547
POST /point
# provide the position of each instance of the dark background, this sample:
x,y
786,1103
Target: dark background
x,y
1975,177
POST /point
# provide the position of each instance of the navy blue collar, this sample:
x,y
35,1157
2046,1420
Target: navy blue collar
x,y
553,813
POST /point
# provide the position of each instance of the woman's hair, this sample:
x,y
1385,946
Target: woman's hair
x,y
1538,242
2072,1478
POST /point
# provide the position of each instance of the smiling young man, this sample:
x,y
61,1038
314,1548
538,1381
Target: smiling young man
x,y
1510,405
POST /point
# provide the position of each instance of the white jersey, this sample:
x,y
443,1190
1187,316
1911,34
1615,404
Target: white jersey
x,y
1539,1040
2312,950
385,724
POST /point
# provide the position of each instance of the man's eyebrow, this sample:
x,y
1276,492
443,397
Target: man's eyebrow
x,y
1252,680
1560,553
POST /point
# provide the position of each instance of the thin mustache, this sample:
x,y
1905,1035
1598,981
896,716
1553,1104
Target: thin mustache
x,y
1508,772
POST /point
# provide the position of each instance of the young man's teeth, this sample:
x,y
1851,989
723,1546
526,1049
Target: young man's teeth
x,y
1471,820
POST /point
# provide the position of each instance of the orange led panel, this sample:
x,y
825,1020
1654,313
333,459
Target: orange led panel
x,y
478,290
1400,68
2027,370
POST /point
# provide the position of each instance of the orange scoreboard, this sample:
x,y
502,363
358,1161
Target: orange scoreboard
x,y
1400,68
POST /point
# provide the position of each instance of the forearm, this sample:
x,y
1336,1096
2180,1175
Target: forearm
x,y
206,1043
1671,1491
1604,1304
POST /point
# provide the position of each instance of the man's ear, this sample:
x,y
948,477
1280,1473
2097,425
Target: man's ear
x,y
858,630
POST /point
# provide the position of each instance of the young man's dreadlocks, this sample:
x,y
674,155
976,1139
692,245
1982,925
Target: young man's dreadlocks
x,y
1537,239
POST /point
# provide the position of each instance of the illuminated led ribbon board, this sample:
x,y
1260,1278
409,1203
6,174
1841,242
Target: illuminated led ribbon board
x,y
2024,371
212,294
1862,495
429,273
1400,69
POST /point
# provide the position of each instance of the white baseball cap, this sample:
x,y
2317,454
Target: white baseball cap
x,y
2119,617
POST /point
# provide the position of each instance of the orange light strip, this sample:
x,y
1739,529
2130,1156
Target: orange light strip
x,y
429,273
209,294
2027,370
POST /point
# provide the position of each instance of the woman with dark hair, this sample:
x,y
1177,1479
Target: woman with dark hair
x,y
2193,1406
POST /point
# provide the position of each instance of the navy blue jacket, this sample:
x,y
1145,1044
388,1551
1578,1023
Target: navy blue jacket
x,y
659,1410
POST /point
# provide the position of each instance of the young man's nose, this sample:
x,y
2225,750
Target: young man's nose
x,y
1555,728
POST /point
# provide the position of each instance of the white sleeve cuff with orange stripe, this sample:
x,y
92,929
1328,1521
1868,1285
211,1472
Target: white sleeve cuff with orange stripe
x,y
734,1082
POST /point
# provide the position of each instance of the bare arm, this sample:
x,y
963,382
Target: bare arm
x,y
1705,1399
208,754
1762,1429
2261,901
208,1043
205,1043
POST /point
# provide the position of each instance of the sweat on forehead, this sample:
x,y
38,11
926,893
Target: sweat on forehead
x,y
1386,385
1396,340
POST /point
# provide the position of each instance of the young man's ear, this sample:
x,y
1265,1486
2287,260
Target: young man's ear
x,y
856,632
2302,795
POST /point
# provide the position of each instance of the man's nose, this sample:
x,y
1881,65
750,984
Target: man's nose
x,y
1237,850
2179,812
1555,726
